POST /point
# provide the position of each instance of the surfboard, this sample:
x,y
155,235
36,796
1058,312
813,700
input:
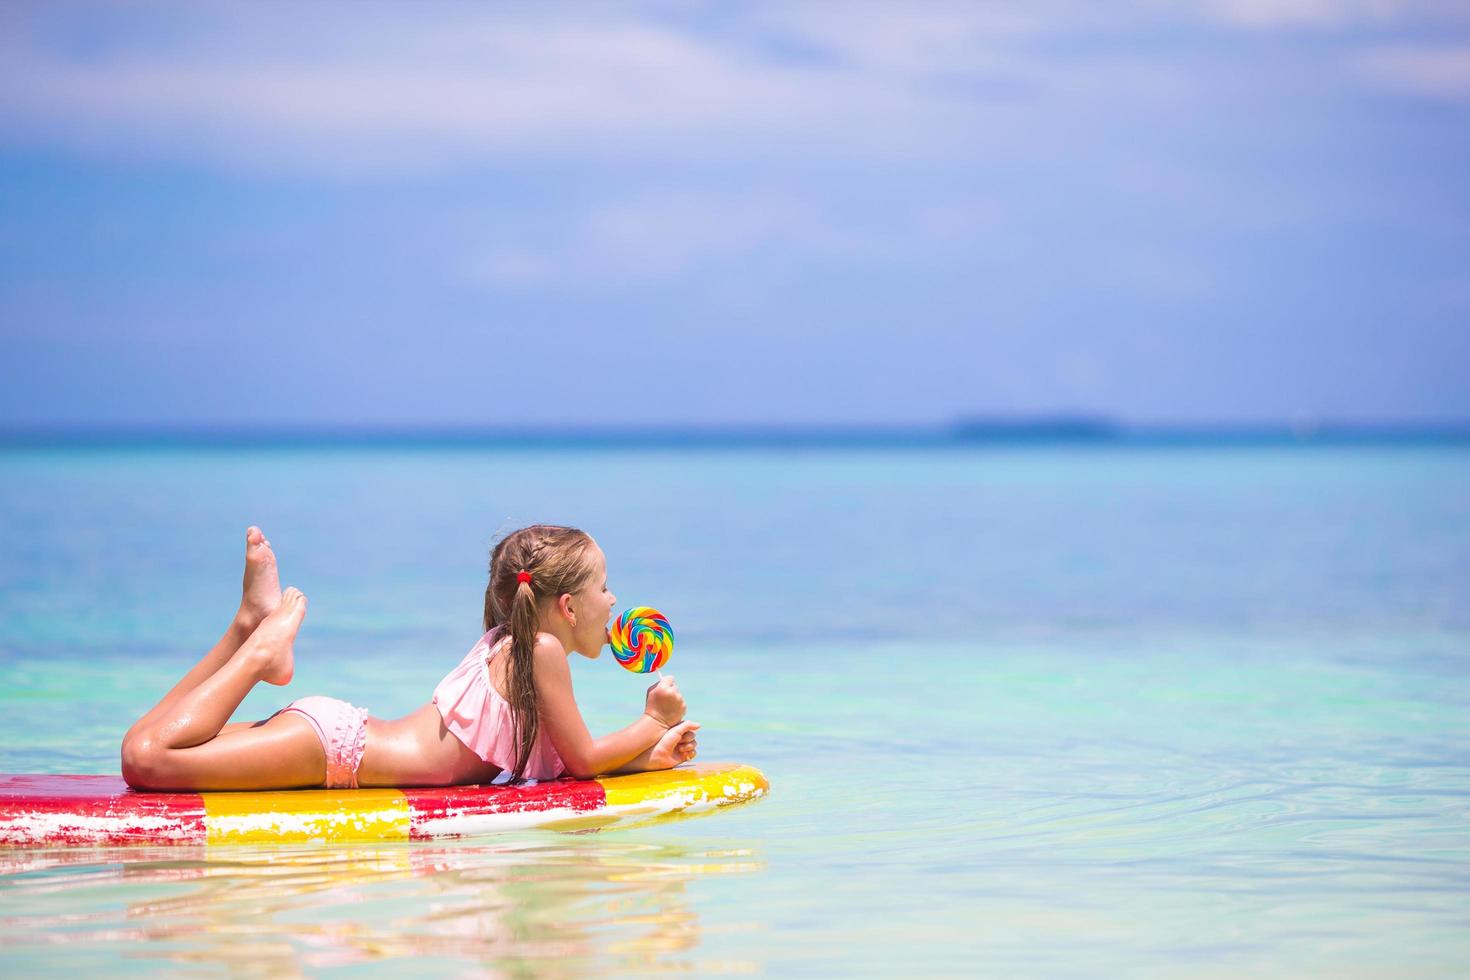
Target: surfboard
x,y
47,810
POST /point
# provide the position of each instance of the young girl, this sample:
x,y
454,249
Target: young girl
x,y
507,707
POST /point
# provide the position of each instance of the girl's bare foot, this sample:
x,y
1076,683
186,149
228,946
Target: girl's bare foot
x,y
270,647
261,591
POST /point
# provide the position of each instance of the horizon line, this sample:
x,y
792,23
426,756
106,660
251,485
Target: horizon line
x,y
960,432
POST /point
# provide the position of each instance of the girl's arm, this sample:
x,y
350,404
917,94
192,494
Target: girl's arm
x,y
583,755
678,745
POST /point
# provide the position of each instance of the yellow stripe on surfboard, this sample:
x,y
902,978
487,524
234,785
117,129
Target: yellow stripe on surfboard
x,y
306,815
298,816
675,789
646,798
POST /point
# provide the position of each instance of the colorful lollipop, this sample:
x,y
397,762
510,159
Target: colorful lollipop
x,y
642,639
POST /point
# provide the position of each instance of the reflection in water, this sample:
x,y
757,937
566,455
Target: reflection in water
x,y
565,903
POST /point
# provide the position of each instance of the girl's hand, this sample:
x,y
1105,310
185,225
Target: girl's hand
x,y
665,704
677,745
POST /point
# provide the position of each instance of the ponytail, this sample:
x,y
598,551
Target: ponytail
x,y
522,679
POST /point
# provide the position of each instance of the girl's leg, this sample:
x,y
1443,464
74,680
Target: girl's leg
x,y
259,597
282,752
151,754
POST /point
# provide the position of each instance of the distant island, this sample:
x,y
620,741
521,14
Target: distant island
x,y
1092,428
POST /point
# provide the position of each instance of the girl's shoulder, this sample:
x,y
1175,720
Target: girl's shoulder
x,y
496,641
548,658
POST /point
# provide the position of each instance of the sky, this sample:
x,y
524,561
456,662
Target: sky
x,y
686,214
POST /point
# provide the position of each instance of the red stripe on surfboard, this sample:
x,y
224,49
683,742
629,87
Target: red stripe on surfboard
x,y
71,810
434,803
63,810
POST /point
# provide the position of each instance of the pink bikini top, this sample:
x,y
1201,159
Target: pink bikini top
x,y
480,718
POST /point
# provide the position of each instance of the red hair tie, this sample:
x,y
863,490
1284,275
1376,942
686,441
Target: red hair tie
x,y
523,577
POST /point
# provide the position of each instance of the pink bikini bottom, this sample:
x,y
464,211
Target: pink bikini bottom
x,y
342,729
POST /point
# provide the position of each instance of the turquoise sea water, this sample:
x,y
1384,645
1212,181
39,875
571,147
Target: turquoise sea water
x,y
1025,711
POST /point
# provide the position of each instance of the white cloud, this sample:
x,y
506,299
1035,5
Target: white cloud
x,y
1156,272
660,236
1307,13
412,88
919,40
656,237
1439,72
957,220
387,89
884,93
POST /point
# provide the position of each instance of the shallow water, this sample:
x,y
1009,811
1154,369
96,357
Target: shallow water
x,y
1024,711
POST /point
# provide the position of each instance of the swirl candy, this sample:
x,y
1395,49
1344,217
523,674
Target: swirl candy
x,y
642,639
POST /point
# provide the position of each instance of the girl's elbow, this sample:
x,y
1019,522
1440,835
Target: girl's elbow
x,y
579,768
579,763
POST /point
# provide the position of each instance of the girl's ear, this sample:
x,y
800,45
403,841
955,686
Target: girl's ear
x,y
564,606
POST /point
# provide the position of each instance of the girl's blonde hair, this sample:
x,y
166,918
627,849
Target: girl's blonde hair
x,y
560,560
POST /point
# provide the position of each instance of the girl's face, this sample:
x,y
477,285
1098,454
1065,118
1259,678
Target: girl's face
x,y
593,606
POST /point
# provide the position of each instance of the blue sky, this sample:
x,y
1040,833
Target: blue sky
x,y
685,214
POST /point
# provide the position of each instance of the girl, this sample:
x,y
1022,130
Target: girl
x,y
507,707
